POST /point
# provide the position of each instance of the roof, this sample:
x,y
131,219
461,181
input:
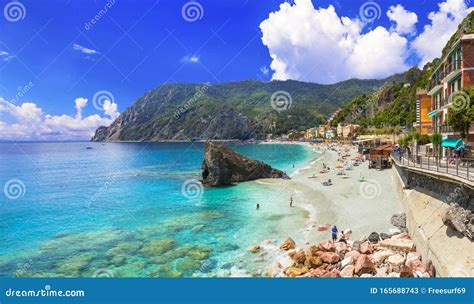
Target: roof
x,y
452,143
383,147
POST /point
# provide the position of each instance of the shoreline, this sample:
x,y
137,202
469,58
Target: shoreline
x,y
344,204
314,198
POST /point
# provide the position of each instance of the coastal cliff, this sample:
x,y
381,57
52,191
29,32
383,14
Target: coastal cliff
x,y
222,166
234,110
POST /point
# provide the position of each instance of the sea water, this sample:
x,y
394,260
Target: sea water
x,y
82,209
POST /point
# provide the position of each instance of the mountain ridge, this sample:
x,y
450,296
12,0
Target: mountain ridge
x,y
238,110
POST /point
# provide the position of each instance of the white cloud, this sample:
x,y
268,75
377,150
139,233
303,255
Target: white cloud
x,y
317,45
190,59
264,70
110,108
31,123
84,50
80,103
5,56
429,44
404,20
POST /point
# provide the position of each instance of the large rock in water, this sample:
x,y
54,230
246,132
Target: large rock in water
x,y
222,166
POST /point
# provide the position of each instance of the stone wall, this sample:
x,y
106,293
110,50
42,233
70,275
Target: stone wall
x,y
450,251
449,191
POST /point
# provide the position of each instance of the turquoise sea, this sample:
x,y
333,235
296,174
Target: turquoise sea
x,y
135,210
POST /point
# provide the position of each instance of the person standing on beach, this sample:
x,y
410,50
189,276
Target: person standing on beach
x,y
334,233
291,201
258,206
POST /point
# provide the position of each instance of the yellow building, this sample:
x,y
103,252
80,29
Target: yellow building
x,y
423,122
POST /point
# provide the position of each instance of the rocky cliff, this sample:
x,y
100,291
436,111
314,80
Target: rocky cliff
x,y
222,166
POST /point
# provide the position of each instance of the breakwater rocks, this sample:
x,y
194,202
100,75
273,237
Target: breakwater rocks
x,y
222,166
378,256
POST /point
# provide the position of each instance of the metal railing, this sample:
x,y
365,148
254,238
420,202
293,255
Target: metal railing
x,y
460,167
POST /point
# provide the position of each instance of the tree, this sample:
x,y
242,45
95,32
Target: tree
x,y
436,141
461,112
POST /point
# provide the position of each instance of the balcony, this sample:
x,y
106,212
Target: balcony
x,y
446,129
444,74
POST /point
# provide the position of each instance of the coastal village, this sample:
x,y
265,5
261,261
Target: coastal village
x,y
433,164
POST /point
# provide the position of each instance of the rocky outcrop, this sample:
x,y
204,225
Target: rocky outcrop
x,y
222,166
288,244
462,220
399,220
392,257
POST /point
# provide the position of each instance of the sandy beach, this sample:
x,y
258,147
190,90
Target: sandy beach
x,y
363,207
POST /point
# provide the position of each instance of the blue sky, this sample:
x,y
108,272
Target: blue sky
x,y
54,51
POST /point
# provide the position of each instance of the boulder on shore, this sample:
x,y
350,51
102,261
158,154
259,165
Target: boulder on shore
x,y
222,166
460,219
399,220
288,244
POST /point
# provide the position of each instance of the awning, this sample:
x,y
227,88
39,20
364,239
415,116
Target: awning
x,y
452,143
432,114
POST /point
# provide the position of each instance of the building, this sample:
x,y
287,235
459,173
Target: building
x,y
330,133
454,73
322,131
423,109
339,130
311,134
349,130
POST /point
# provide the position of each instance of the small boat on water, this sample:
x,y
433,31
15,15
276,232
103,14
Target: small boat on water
x,y
89,148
